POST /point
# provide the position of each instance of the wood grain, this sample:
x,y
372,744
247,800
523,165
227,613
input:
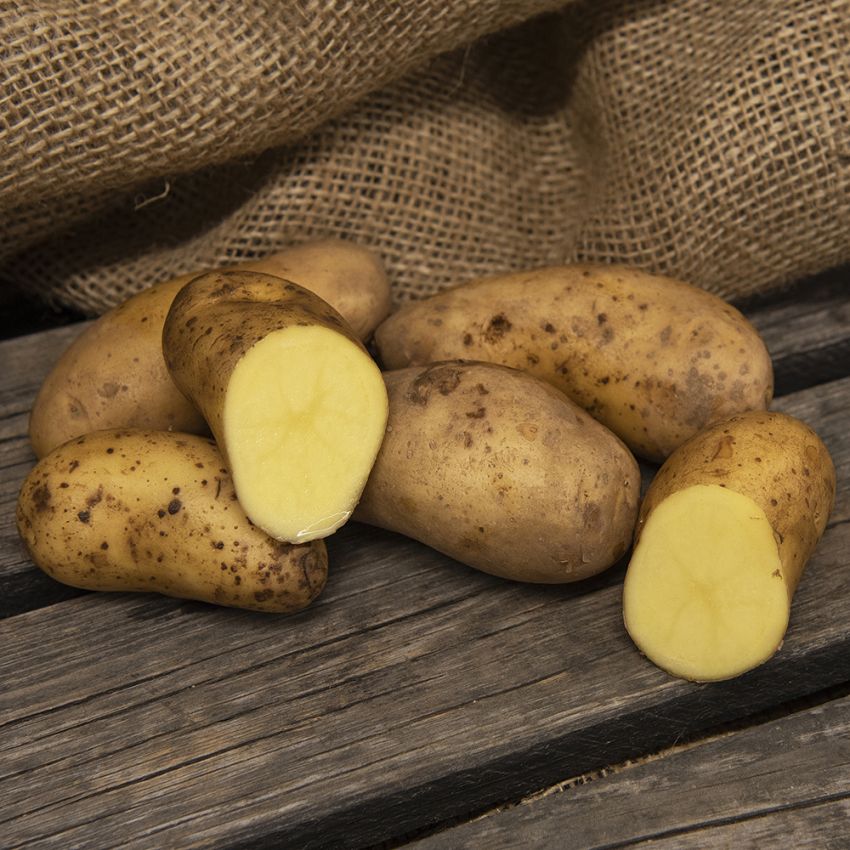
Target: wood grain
x,y
415,690
785,783
807,332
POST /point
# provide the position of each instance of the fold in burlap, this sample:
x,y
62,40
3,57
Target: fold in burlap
x,y
709,141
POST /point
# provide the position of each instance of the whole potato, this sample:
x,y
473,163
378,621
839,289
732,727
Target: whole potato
x,y
502,472
114,376
296,404
654,359
349,277
156,511
724,532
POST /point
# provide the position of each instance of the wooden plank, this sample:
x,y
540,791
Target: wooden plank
x,y
807,332
414,691
820,827
783,779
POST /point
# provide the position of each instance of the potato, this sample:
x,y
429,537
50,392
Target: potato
x,y
156,511
654,359
113,374
723,535
349,277
497,469
296,404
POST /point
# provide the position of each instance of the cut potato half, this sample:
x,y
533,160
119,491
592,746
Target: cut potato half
x,y
705,597
297,406
304,417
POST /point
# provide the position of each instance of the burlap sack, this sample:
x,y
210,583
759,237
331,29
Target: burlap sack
x,y
145,138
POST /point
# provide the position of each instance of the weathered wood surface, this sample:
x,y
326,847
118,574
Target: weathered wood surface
x,y
807,332
785,783
414,691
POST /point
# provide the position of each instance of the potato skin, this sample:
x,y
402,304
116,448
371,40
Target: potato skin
x,y
654,359
774,459
156,511
349,277
114,376
500,471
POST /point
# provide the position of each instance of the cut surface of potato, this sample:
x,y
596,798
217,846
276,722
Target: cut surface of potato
x,y
303,420
705,596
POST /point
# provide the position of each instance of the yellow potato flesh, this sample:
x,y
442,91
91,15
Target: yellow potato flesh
x,y
304,417
705,596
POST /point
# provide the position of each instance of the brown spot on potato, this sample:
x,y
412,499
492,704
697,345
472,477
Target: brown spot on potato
x,y
498,326
108,390
442,378
527,430
665,335
479,413
311,570
41,498
84,516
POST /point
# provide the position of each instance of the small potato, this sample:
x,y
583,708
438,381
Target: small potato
x,y
156,511
723,535
113,375
296,404
654,359
502,472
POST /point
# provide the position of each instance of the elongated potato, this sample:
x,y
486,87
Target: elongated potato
x,y
295,402
724,533
654,359
502,472
113,375
349,277
156,511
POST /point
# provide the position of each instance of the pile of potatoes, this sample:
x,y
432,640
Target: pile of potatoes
x,y
203,438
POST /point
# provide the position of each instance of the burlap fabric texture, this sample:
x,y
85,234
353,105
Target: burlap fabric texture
x,y
142,139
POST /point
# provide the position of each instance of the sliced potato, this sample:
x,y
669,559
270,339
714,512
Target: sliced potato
x,y
724,533
296,404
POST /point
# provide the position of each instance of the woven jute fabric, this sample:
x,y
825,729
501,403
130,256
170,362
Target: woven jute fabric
x,y
142,139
